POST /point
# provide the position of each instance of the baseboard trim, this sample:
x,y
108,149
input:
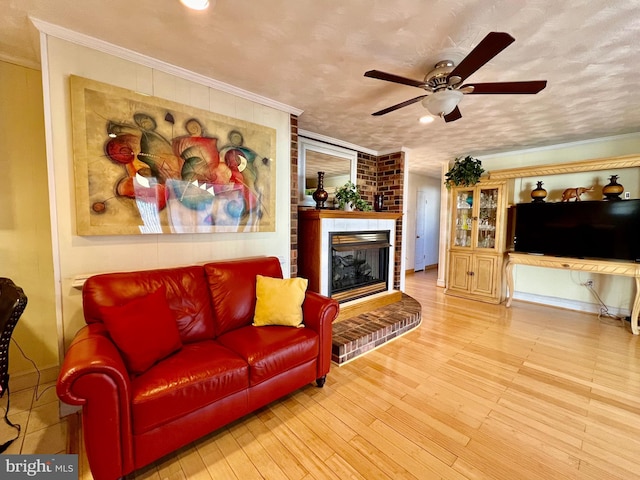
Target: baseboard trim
x,y
411,271
22,381
568,304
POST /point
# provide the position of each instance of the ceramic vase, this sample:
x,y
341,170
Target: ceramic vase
x,y
612,190
320,195
538,194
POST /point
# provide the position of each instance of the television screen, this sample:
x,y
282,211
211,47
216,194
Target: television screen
x,y
587,229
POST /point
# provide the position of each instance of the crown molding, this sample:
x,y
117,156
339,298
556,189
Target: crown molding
x,y
607,163
21,62
391,151
335,141
126,54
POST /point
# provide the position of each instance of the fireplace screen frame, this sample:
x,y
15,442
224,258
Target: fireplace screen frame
x,y
359,242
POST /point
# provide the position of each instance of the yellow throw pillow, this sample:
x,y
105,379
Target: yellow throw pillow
x,y
279,301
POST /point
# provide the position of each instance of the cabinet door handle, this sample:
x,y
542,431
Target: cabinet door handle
x,y
470,274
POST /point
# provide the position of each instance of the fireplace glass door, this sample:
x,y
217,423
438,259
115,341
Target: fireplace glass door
x,y
359,264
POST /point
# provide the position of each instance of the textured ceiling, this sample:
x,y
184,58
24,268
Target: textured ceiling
x,y
312,55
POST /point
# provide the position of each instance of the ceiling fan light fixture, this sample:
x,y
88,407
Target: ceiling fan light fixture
x,y
195,4
426,119
442,102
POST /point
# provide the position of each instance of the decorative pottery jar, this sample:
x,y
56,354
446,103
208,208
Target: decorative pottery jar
x,y
538,194
612,190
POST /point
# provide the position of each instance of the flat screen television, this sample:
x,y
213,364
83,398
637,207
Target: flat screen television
x,y
588,229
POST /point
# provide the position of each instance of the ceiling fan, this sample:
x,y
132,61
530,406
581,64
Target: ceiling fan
x,y
444,84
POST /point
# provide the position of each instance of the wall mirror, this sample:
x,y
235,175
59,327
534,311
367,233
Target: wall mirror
x,y
338,164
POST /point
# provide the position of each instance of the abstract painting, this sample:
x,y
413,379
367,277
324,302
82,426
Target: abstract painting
x,y
146,165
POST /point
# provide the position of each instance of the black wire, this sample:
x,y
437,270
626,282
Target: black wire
x,y
5,445
604,310
37,397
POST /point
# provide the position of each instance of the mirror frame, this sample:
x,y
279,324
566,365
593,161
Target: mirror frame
x,y
307,144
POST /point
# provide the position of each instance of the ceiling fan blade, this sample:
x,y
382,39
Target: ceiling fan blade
x,y
400,105
533,86
390,77
489,47
453,116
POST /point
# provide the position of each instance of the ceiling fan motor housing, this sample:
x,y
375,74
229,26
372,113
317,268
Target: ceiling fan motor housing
x,y
438,78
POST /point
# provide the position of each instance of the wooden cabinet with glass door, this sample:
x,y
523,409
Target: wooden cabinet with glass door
x,y
477,246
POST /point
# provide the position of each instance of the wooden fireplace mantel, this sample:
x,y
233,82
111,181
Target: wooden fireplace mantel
x,y
313,227
311,213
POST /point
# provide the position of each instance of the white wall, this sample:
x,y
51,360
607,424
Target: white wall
x,y
87,255
25,235
558,287
431,186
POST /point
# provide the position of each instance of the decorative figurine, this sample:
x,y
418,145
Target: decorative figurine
x,y
575,193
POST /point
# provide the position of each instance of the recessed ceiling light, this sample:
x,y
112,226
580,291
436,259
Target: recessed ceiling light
x,y
195,4
426,119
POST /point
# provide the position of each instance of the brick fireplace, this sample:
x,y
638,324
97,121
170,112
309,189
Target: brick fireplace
x,y
347,255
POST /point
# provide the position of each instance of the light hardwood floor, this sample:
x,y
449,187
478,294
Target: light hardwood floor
x,y
476,391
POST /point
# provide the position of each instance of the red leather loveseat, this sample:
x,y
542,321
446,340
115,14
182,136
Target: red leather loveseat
x,y
218,367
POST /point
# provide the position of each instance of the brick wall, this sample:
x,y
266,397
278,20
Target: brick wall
x,y
375,175
390,183
294,196
367,176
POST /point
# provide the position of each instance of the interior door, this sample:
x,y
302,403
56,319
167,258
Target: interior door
x,y
421,231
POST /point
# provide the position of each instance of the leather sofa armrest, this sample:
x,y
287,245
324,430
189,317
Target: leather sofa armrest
x,y
91,352
94,375
318,313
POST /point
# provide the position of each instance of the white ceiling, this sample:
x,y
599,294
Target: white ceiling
x,y
312,54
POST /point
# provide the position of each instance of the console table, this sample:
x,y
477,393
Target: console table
x,y
626,269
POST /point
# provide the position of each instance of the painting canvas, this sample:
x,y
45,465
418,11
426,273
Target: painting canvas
x,y
148,165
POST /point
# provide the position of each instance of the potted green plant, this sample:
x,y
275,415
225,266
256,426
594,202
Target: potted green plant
x,y
348,198
362,205
465,172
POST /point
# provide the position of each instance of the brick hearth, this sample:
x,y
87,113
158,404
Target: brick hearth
x,y
357,335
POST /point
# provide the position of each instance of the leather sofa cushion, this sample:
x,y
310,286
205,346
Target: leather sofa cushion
x,y
144,330
233,289
271,350
186,288
197,375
